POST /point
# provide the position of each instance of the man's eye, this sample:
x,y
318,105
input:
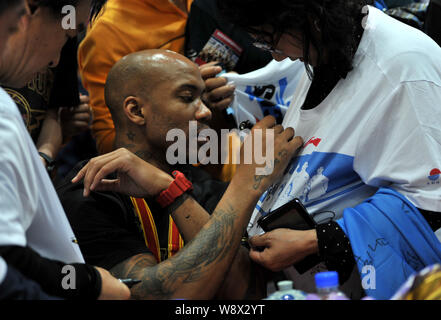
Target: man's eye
x,y
187,99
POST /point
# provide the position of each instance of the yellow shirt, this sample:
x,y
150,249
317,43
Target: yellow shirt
x,y
124,27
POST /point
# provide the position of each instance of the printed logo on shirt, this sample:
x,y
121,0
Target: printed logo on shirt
x,y
270,98
434,176
313,178
314,141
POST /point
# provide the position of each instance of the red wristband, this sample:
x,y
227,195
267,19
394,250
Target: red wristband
x,y
177,188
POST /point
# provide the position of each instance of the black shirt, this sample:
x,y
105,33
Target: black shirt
x,y
106,224
204,19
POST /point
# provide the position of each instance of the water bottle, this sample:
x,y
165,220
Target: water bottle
x,y
286,292
327,286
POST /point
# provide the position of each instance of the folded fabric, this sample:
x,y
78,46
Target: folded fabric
x,y
266,91
391,241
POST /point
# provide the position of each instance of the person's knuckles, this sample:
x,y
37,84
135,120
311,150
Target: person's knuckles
x,y
213,83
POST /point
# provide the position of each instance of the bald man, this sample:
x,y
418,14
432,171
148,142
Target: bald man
x,y
150,93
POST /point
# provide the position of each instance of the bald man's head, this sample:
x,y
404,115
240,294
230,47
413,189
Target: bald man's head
x,y
138,74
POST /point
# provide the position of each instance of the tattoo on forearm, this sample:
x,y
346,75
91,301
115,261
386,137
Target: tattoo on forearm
x,y
210,246
258,179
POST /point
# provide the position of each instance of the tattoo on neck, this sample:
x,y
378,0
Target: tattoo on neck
x,y
131,136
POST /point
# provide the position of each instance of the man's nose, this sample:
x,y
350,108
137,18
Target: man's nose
x,y
203,112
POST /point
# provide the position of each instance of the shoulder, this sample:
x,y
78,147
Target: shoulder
x,y
7,105
110,204
402,53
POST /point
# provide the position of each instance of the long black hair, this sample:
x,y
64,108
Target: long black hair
x,y
339,22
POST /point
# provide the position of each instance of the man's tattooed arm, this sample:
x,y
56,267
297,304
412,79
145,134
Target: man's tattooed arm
x,y
197,271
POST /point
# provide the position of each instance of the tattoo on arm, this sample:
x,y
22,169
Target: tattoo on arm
x,y
199,256
258,179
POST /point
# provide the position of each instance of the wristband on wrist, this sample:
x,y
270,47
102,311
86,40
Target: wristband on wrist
x,y
50,163
177,203
178,187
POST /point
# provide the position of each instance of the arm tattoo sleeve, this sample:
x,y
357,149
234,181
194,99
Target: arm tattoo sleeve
x,y
199,256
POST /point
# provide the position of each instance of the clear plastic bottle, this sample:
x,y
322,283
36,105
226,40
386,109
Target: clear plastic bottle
x,y
286,292
327,286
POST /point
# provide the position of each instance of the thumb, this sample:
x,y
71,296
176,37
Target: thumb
x,y
257,256
258,241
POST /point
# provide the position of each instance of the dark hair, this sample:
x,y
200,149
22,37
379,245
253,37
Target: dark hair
x,y
7,4
339,21
57,5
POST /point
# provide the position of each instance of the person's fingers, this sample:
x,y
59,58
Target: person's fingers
x,y
213,83
257,256
221,93
107,185
266,123
94,166
84,99
80,125
104,170
296,142
288,134
80,174
209,71
84,107
93,162
83,116
221,105
278,129
258,241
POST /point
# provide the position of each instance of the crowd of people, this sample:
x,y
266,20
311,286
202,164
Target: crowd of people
x,y
361,139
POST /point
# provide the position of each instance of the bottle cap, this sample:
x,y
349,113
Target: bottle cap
x,y
326,279
285,285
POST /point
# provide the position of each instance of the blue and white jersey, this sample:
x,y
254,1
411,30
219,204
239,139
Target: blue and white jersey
x,y
381,126
266,91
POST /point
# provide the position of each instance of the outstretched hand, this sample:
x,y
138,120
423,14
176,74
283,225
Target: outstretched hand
x,y
281,248
278,146
134,176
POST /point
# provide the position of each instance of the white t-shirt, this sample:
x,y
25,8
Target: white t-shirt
x,y
3,270
30,211
265,91
381,126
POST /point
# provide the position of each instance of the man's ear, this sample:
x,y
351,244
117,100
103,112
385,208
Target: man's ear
x,y
135,110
